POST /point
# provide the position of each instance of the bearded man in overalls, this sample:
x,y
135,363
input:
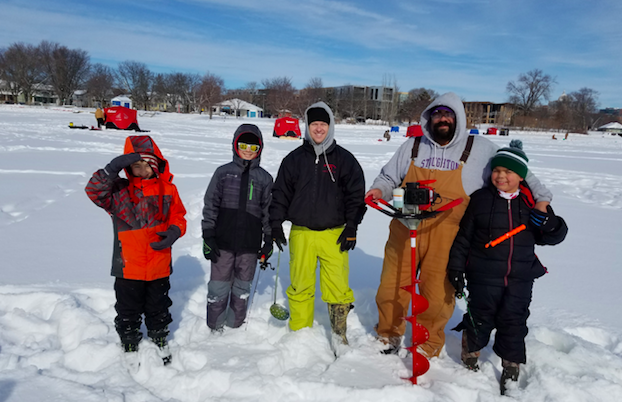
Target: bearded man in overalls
x,y
460,164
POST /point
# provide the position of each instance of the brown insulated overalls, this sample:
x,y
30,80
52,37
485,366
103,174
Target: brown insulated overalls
x,y
435,237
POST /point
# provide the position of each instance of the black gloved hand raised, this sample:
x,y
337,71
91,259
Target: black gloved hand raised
x,y
545,221
266,251
278,236
456,278
210,249
347,238
120,162
168,238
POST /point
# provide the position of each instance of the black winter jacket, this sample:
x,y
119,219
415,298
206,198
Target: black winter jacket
x,y
305,193
236,202
488,217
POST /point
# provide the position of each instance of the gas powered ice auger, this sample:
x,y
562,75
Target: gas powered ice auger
x,y
410,206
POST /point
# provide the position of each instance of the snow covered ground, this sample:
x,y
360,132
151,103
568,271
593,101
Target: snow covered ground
x,y
57,339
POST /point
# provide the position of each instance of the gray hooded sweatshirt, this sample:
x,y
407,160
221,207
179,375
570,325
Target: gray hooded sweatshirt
x,y
476,171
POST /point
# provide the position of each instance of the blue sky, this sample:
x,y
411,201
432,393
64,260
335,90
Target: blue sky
x,y
471,47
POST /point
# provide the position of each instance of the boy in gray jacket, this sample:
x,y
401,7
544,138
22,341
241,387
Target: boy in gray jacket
x,y
235,220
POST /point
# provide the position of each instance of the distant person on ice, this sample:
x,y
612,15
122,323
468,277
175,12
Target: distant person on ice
x,y
500,277
235,224
319,188
100,116
147,218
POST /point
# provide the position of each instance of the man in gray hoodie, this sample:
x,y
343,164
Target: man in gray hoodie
x,y
460,164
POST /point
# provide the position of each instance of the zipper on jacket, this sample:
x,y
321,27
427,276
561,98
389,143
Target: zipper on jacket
x,y
505,279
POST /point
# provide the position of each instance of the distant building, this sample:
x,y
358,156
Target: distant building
x,y
613,127
611,111
239,108
498,114
121,100
361,102
42,94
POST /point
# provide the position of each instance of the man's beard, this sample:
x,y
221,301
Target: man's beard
x,y
444,136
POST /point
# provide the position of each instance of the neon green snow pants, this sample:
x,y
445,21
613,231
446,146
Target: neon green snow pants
x,y
306,248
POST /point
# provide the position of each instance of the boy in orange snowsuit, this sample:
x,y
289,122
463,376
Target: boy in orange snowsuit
x,y
147,217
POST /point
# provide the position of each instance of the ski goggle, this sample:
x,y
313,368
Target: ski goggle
x,y
248,147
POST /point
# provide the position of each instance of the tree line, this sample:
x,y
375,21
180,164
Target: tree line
x,y
26,68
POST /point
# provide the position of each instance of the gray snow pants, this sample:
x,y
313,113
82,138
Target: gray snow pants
x,y
229,286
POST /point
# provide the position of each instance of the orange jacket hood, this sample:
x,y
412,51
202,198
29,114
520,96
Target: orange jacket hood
x,y
146,144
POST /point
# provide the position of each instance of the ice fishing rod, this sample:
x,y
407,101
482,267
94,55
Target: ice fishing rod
x,y
466,299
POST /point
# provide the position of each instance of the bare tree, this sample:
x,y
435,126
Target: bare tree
x,y
100,82
417,101
252,88
137,79
585,102
389,100
311,93
20,67
529,89
66,68
183,89
160,90
210,91
279,94
351,102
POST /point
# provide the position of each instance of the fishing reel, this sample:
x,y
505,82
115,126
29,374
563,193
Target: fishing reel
x,y
265,264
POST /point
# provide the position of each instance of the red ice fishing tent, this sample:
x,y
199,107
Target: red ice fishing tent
x,y
286,127
121,118
414,131
491,131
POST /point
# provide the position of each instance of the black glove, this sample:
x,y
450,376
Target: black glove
x,y
456,278
347,238
120,162
168,238
278,236
210,249
545,221
266,250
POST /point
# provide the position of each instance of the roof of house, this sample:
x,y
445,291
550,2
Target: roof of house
x,y
614,124
239,104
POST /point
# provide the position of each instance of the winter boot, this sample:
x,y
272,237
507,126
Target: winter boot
x,y
129,347
163,350
338,314
159,337
130,358
510,372
469,358
391,344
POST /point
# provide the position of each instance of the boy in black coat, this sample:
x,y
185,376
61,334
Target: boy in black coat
x,y
500,276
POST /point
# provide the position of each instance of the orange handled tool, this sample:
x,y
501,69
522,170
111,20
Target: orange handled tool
x,y
505,236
